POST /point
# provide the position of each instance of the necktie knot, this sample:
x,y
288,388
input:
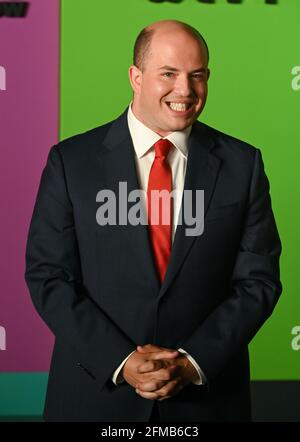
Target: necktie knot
x,y
162,148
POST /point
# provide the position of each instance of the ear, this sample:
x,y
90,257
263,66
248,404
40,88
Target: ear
x,y
208,74
135,78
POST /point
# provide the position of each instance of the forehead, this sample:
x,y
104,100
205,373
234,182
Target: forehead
x,y
177,47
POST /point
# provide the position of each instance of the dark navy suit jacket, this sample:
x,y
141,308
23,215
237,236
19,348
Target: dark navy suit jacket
x,y
97,289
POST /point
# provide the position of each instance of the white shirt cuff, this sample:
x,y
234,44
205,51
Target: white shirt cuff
x,y
202,378
119,379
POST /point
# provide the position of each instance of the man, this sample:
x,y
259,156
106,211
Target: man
x,y
147,318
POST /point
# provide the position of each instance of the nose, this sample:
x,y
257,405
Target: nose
x,y
183,86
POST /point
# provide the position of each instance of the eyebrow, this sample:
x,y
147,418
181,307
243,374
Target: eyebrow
x,y
170,68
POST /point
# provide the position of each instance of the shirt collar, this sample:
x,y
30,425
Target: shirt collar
x,y
143,138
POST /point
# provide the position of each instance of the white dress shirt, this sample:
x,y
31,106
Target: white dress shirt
x,y
143,140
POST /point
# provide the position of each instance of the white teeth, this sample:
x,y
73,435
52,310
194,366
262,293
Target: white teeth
x,y
181,107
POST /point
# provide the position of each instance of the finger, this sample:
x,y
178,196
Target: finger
x,y
166,373
170,389
152,365
171,394
165,354
160,369
158,379
150,348
150,385
162,374
163,392
146,394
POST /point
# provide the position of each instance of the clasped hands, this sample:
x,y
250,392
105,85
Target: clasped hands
x,y
158,372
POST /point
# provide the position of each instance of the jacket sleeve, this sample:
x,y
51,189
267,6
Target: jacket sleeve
x,y
255,285
53,276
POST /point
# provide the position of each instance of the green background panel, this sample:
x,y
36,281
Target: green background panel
x,y
22,395
253,48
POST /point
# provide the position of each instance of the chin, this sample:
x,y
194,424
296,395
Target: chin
x,y
176,126
181,126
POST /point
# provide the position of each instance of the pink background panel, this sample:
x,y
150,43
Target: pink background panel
x,y
29,51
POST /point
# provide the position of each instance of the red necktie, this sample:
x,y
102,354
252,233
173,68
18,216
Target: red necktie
x,y
160,211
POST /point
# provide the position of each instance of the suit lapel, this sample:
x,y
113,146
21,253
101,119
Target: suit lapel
x,y
120,167
201,174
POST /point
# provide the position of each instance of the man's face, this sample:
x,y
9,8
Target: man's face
x,y
171,91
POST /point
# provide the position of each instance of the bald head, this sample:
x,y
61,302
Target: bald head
x,y
142,46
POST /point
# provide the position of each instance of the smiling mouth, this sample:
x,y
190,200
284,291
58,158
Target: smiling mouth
x,y
179,107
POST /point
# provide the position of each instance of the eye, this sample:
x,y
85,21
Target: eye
x,y
168,74
199,75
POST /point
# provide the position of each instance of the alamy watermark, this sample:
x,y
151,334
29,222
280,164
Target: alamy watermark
x,y
295,343
192,209
2,338
2,78
296,78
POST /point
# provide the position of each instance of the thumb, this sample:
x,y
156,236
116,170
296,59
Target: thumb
x,y
165,354
161,352
142,348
